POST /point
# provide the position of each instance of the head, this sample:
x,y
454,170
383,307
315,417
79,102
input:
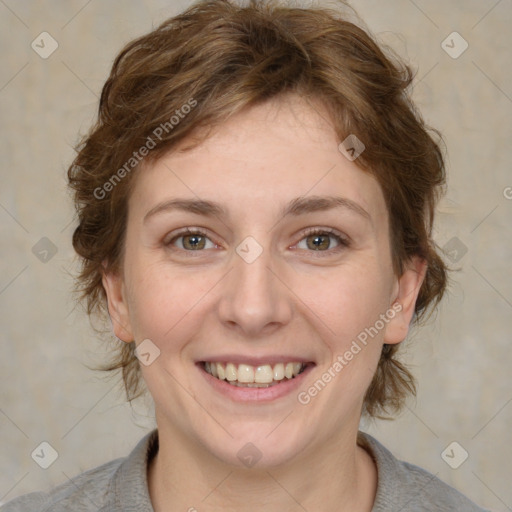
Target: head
x,y
252,118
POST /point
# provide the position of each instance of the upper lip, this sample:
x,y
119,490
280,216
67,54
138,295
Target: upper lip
x,y
254,361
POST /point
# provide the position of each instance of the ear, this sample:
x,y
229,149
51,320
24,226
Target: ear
x,y
117,305
408,284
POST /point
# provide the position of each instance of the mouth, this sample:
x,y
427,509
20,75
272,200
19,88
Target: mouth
x,y
249,376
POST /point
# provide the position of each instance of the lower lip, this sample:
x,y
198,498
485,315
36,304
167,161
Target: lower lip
x,y
239,394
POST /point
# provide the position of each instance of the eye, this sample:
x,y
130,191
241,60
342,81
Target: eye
x,y
191,240
321,240
317,240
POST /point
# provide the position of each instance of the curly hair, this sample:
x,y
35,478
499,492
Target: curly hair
x,y
212,61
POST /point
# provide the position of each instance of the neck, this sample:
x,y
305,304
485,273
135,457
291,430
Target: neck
x,y
341,477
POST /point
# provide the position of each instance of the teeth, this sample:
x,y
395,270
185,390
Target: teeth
x,y
263,374
245,375
231,373
279,371
252,385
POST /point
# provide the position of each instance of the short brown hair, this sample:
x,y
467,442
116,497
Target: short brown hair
x,y
222,58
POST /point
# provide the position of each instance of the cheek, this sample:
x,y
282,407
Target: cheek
x,y
163,304
346,302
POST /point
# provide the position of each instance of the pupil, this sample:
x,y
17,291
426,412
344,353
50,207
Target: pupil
x,y
194,241
320,241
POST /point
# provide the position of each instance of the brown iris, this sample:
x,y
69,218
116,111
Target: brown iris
x,y
195,242
318,242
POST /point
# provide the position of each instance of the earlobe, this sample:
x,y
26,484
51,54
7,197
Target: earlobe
x,y
409,285
117,307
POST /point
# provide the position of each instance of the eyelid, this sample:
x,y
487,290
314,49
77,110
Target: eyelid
x,y
172,237
330,231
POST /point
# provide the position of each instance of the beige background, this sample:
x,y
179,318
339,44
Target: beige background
x,y
462,359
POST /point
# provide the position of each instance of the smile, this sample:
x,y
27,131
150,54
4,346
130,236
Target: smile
x,y
261,376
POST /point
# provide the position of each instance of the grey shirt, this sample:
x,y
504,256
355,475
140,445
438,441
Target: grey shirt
x,y
121,486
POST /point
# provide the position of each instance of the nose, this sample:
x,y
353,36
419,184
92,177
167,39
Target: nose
x,y
254,298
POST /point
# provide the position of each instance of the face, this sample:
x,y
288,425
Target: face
x,y
263,246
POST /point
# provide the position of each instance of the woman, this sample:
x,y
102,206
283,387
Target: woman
x,y
255,208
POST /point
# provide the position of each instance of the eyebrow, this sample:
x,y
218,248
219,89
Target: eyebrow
x,y
297,206
310,204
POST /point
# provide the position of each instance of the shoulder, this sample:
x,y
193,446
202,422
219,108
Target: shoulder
x,y
99,489
404,486
86,491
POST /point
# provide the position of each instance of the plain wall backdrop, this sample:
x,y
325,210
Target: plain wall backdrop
x,y
462,358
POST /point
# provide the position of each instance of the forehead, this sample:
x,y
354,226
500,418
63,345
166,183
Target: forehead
x,y
264,155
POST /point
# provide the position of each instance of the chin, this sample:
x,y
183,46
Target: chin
x,y
257,445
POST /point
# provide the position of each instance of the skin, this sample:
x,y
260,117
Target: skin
x,y
194,304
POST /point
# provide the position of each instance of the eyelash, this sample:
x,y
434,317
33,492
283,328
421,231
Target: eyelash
x,y
343,242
